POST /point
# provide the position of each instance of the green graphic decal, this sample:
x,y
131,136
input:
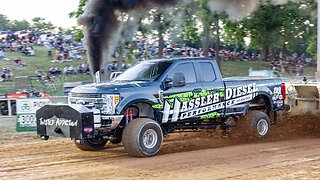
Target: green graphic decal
x,y
210,115
157,106
187,96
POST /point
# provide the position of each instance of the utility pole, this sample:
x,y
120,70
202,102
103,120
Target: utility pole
x,y
318,44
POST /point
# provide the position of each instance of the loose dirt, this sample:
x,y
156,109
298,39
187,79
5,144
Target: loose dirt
x,y
291,151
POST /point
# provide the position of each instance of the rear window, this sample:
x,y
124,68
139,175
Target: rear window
x,y
207,70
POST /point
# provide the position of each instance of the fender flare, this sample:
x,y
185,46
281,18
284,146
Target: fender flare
x,y
135,98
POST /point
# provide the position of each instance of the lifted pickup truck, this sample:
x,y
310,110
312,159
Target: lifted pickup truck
x,y
157,97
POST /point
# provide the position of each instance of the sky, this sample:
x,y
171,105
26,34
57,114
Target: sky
x,y
55,11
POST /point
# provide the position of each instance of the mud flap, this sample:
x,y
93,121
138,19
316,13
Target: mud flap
x,y
70,121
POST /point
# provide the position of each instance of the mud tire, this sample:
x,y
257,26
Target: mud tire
x,y
258,124
91,144
142,137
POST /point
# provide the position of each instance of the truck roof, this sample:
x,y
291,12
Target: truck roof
x,y
182,59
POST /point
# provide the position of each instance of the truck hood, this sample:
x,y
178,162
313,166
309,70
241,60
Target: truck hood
x,y
113,86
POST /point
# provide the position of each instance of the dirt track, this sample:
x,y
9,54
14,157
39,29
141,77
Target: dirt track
x,y
292,151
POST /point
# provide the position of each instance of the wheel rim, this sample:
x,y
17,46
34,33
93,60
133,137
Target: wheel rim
x,y
262,127
150,138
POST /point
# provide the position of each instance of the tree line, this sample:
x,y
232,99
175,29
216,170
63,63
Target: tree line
x,y
271,29
36,24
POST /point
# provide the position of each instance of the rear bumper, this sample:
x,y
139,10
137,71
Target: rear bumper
x,y
73,121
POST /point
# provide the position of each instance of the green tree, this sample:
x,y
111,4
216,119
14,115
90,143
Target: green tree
x,y
79,11
312,46
16,25
273,27
264,25
189,26
206,20
40,24
234,32
4,23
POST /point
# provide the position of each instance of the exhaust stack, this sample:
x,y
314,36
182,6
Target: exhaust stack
x,y
97,77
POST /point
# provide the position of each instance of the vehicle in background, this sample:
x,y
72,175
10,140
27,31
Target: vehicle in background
x,y
24,89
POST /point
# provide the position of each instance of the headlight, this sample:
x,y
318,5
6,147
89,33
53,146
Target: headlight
x,y
110,104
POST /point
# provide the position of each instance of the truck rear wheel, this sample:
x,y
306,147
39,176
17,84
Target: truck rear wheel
x,y
142,137
259,124
93,144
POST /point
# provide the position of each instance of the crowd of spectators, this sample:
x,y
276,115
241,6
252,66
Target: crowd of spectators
x,y
146,50
24,45
68,70
63,48
60,47
293,64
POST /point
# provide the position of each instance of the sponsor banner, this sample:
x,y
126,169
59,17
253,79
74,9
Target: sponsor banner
x,y
26,106
26,113
26,122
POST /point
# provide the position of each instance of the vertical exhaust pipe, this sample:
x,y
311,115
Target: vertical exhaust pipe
x,y
97,77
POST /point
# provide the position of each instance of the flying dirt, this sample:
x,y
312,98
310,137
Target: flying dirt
x,y
292,151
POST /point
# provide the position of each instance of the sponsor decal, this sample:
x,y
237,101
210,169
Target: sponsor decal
x,y
55,121
183,106
88,130
25,106
277,94
277,97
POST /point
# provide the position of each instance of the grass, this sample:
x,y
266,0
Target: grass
x,y
43,61
40,60
241,68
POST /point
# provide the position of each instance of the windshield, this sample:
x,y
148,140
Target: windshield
x,y
144,71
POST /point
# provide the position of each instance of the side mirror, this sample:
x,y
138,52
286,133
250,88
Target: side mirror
x,y
179,80
168,83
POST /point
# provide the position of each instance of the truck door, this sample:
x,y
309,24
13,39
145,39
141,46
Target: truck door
x,y
213,89
178,100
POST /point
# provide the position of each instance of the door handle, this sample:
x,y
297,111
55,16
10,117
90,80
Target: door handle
x,y
197,90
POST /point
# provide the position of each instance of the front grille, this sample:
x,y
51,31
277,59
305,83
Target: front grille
x,y
83,95
96,103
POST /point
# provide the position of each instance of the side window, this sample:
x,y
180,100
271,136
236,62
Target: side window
x,y
207,71
188,71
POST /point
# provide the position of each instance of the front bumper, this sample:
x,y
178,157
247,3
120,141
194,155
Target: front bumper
x,y
73,121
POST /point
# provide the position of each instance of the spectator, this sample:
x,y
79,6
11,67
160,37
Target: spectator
x,y
72,70
66,71
18,62
38,74
124,66
112,67
6,74
1,54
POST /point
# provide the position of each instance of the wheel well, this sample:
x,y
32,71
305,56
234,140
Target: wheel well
x,y
261,102
144,110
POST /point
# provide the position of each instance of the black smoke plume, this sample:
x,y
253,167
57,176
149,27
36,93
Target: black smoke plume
x,y
101,24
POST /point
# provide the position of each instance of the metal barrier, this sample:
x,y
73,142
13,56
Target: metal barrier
x,y
53,99
8,101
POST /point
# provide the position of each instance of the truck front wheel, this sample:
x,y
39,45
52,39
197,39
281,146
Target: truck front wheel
x,y
90,144
142,137
259,124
